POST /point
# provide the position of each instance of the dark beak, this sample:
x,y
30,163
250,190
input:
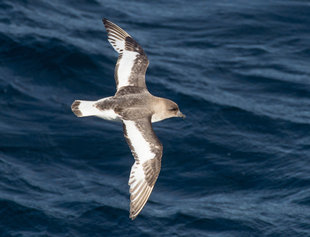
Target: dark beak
x,y
179,114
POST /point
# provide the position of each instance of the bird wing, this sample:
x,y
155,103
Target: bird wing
x,y
147,151
132,62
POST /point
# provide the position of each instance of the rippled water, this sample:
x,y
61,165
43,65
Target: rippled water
x,y
238,165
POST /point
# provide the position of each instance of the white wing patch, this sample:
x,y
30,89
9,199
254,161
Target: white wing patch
x,y
125,66
141,147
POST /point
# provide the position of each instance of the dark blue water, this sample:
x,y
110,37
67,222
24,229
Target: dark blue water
x,y
238,165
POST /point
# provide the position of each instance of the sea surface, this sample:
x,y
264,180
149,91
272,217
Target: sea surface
x,y
238,165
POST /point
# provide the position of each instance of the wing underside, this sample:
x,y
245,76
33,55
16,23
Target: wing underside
x,y
132,62
147,151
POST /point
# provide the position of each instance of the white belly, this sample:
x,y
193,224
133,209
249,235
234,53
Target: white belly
x,y
109,114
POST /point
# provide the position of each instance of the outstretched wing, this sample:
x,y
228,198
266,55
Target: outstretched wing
x,y
147,151
132,62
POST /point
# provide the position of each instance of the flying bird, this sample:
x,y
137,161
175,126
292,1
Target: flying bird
x,y
137,109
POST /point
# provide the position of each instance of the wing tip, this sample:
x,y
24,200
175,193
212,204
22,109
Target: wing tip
x,y
132,216
105,22
134,213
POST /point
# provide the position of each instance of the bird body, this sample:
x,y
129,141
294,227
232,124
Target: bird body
x,y
137,109
124,105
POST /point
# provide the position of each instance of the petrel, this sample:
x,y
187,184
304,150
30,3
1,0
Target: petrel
x,y
137,109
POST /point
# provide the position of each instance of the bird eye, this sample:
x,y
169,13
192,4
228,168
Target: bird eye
x,y
173,109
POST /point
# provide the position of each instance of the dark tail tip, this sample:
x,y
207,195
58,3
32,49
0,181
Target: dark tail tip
x,y
75,108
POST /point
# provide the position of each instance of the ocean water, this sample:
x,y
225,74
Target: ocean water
x,y
238,165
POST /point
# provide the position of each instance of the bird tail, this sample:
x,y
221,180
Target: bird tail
x,y
82,108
